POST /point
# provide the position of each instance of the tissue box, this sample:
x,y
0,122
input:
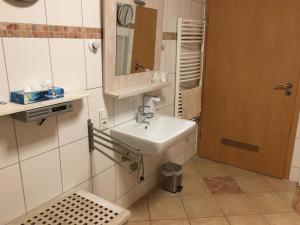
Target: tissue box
x,y
25,98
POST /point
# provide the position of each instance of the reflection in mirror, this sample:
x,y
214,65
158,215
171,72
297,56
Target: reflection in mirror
x,y
136,38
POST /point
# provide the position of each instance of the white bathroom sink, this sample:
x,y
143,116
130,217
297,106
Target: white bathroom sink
x,y
156,137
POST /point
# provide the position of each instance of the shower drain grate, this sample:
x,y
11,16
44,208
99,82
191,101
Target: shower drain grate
x,y
80,208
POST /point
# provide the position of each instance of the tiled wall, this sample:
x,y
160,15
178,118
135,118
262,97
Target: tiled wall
x,y
38,163
295,168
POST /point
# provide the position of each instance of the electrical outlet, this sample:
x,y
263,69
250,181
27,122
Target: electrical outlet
x,y
104,124
103,118
103,114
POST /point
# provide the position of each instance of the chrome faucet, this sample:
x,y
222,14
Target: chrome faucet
x,y
147,111
142,116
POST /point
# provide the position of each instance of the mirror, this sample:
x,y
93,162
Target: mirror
x,y
136,39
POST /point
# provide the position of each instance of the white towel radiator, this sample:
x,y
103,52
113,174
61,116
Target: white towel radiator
x,y
190,55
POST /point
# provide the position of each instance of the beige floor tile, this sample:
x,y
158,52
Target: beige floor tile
x,y
248,220
199,160
269,203
190,172
237,172
139,211
166,208
194,187
283,219
158,192
170,222
252,184
210,221
288,196
201,207
280,185
139,223
212,170
235,204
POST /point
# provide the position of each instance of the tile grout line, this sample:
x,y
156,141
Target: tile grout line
x,y
52,149
5,64
187,215
86,86
20,169
59,153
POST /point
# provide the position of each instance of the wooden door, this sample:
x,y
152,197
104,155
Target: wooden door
x,y
252,45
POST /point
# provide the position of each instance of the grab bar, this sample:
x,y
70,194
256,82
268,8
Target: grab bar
x,y
129,153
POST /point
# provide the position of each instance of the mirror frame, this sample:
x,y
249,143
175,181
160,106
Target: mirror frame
x,y
113,83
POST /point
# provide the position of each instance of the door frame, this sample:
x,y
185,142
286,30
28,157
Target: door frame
x,y
295,113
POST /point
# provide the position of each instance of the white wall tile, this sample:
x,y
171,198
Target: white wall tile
x,y
64,12
98,101
168,155
189,153
96,104
163,55
156,162
124,181
160,111
27,60
100,162
126,200
11,194
170,110
173,12
138,101
294,174
179,159
33,139
296,154
169,92
68,63
22,12
75,163
186,6
298,129
8,146
155,179
93,65
104,185
171,56
4,91
123,110
41,178
72,126
197,10
85,186
165,16
91,11
141,189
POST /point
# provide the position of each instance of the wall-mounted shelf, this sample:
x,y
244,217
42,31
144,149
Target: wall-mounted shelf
x,y
11,108
129,92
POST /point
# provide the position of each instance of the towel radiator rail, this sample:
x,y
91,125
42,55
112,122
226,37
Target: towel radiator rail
x,y
190,57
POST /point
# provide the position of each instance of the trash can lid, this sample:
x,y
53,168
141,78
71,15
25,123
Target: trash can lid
x,y
172,167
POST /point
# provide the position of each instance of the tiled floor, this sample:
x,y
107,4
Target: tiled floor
x,y
218,194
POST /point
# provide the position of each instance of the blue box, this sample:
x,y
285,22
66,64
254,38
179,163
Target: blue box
x,y
25,98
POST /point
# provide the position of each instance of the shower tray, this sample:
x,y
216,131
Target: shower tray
x,y
76,208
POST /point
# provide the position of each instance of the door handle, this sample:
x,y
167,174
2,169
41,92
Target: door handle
x,y
285,86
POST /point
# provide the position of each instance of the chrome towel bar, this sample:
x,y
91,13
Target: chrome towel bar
x,y
132,159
